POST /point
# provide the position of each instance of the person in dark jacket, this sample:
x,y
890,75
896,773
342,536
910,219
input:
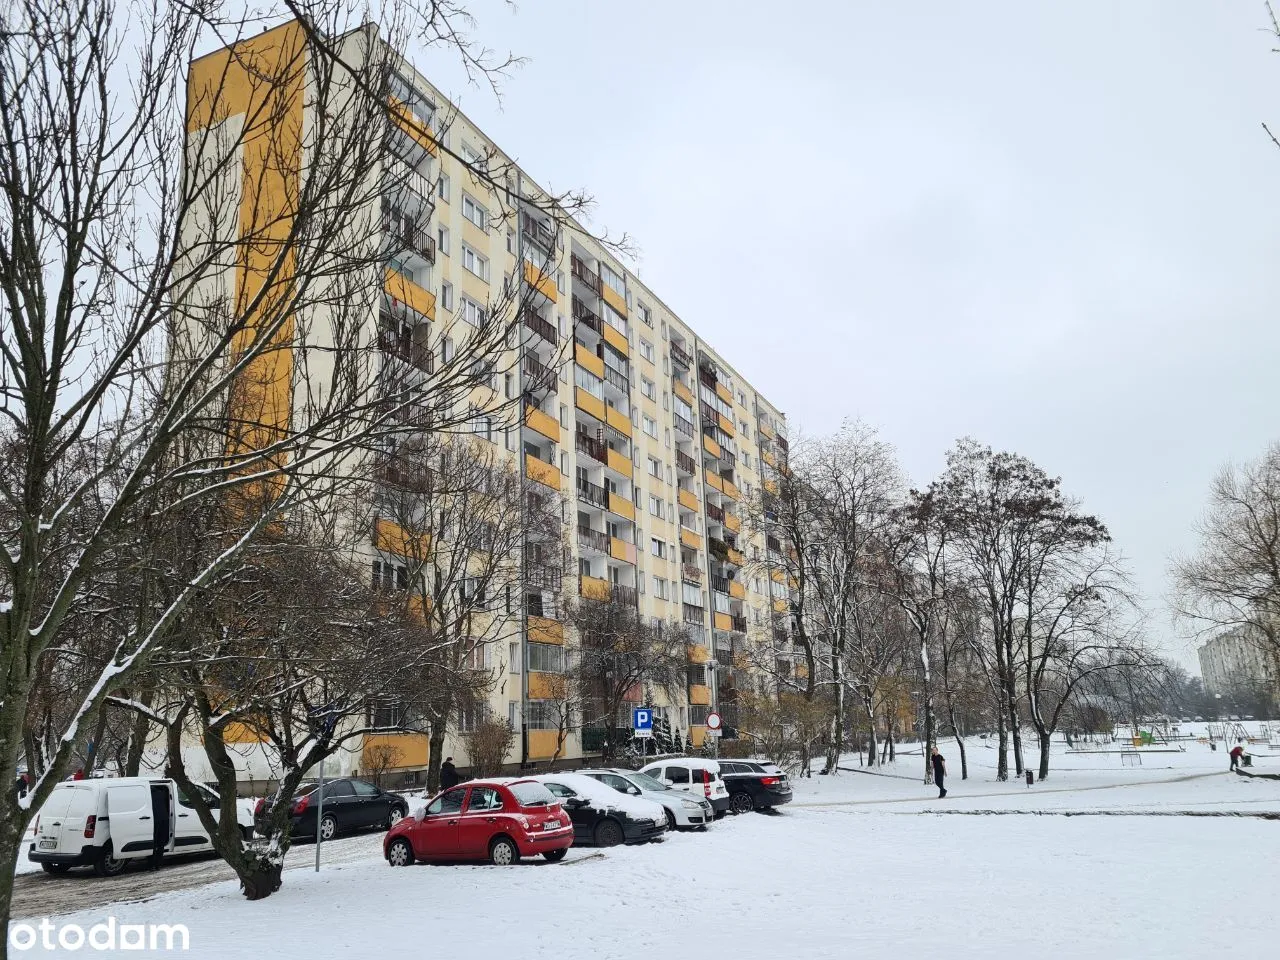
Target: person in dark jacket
x,y
448,774
939,771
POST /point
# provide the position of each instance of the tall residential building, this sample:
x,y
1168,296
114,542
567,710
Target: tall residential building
x,y
1235,661
657,441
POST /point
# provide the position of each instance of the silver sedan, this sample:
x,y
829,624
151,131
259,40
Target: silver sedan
x,y
684,811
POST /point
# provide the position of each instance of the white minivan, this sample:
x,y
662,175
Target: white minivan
x,y
105,823
693,775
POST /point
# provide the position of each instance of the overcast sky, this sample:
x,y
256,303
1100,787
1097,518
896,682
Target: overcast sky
x,y
1052,227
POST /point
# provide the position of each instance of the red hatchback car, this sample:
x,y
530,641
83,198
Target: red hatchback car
x,y
495,820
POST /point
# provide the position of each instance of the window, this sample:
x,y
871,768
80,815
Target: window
x,y
388,576
472,312
545,658
742,401
511,241
645,316
650,426
655,467
655,505
448,802
478,657
544,715
675,775
386,714
564,415
474,212
442,240
613,279
363,789
646,349
509,385
648,388
475,263
446,295
660,588
442,187
657,547
513,658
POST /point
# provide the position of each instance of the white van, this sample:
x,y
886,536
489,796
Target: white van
x,y
693,775
106,823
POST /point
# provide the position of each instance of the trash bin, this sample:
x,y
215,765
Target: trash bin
x,y
1246,760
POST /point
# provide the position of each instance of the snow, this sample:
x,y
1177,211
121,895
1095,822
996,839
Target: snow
x,y
865,864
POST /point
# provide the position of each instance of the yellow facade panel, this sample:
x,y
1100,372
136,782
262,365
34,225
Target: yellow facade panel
x,y
619,421
616,339
689,500
619,463
614,299
699,696
593,588
543,472
690,539
543,423
544,744
394,751
544,283
722,621
545,630
622,506
399,287
588,360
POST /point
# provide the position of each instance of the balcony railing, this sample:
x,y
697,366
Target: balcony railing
x,y
541,576
683,425
693,614
593,494
709,413
586,316
592,447
537,231
585,274
715,513
399,343
772,543
617,379
416,240
706,378
594,539
625,595
782,442
541,327
720,584
538,375
740,624
692,572
680,355
686,463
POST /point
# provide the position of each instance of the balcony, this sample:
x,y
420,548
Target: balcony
x,y
619,380
691,572
399,342
541,327
732,523
544,630
715,513
729,489
619,463
683,392
710,445
538,376
689,500
408,233
544,283
686,463
680,355
588,361
682,425
593,588
618,421
593,540
693,614
690,539
706,378
403,290
537,231
719,584
622,551
737,590
585,316
625,595
593,448
589,403
545,473
584,274
539,576
542,423
740,624
709,414
593,494
622,507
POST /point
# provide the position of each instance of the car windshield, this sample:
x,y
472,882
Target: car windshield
x,y
532,795
646,782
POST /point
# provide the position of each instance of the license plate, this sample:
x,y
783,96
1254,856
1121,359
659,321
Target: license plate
x,y
551,825
48,844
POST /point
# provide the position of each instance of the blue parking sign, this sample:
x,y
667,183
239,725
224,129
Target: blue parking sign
x,y
642,721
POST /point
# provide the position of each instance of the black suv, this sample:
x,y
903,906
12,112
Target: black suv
x,y
754,785
348,805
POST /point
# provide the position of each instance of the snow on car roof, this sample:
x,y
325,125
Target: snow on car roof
x,y
603,796
694,763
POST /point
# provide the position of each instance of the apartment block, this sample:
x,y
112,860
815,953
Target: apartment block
x,y
654,438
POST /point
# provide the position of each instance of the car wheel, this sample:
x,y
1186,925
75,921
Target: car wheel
x,y
107,865
397,814
741,803
400,853
328,827
609,834
555,856
56,868
503,852
671,821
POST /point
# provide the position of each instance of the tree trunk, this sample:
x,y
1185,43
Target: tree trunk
x,y
837,719
95,744
12,831
435,757
870,711
1045,737
1002,733
139,730
964,760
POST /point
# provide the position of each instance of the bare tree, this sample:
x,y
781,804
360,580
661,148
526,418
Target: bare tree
x,y
1233,579
488,745
380,758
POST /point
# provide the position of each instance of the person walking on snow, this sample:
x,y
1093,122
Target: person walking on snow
x,y
448,774
1236,753
939,771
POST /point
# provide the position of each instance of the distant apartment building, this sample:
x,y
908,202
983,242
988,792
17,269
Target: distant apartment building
x,y
1237,660
655,438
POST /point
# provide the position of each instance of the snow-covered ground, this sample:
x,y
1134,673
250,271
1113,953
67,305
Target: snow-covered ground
x,y
857,866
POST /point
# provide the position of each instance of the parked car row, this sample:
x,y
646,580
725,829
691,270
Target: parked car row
x,y
503,819
107,823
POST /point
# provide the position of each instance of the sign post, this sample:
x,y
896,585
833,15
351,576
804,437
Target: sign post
x,y
323,719
714,724
642,723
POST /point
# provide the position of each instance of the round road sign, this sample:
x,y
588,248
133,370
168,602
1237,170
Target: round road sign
x,y
713,721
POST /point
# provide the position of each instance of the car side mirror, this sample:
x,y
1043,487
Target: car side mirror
x,y
574,803
634,791
669,783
